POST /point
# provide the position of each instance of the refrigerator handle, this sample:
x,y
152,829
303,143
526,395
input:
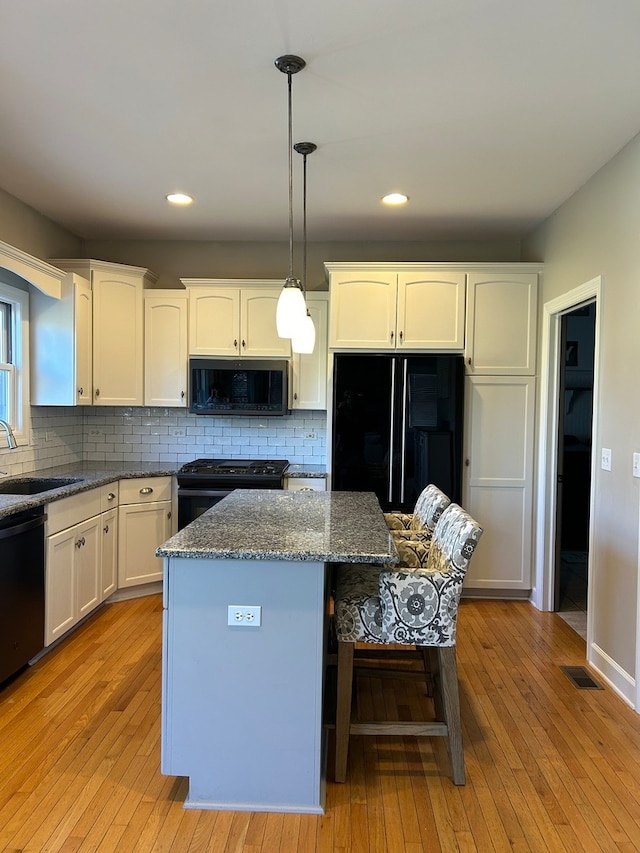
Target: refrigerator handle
x,y
391,428
403,439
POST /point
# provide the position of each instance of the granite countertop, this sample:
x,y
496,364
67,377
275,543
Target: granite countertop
x,y
252,524
296,470
87,476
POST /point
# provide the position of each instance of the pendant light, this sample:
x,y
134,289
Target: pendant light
x,y
291,309
303,339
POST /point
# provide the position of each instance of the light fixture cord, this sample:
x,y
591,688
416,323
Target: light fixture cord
x,y
290,184
304,224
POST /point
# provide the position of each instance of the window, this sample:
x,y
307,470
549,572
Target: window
x,y
14,306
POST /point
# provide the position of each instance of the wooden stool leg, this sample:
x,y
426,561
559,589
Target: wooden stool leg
x,y
451,707
343,708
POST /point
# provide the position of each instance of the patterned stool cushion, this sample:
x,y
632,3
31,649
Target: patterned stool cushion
x,y
357,604
429,507
411,606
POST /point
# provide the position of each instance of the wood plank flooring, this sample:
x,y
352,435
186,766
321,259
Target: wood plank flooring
x,y
549,767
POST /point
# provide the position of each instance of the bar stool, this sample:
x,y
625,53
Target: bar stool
x,y
413,605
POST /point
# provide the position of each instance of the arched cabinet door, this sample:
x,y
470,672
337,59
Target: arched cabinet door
x,y
502,314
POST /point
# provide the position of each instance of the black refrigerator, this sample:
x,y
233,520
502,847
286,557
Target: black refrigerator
x,y
397,425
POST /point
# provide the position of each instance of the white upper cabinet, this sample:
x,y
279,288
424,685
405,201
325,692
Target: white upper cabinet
x,y
430,311
362,309
118,328
232,317
62,345
165,347
407,307
118,339
309,382
502,315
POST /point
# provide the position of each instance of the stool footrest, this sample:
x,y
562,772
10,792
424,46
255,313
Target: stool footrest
x,y
433,729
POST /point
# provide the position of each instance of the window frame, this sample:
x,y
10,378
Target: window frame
x,y
17,368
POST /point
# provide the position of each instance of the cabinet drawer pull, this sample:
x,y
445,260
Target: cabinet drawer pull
x,y
147,490
111,496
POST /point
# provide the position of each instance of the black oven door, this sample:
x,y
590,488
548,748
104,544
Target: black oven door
x,y
193,502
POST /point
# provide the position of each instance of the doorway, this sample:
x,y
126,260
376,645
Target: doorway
x,y
574,450
553,356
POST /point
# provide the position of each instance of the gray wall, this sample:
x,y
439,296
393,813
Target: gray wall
x,y
26,229
596,232
172,261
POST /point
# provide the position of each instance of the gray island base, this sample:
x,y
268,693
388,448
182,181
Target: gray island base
x,y
244,643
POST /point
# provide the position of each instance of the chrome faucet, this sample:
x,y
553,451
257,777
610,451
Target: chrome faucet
x,y
11,439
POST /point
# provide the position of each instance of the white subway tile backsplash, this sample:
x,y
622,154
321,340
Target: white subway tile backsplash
x,y
61,435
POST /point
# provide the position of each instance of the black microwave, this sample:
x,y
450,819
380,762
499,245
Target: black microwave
x,y
245,386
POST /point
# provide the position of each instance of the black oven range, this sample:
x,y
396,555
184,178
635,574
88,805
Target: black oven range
x,y
204,482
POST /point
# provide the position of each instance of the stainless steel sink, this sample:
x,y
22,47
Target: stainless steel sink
x,y
34,485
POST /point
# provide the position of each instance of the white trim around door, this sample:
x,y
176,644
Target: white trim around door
x,y
543,592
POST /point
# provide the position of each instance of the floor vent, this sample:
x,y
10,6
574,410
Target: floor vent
x,y
581,678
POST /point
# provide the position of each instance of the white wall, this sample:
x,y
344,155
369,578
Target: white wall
x,y
597,232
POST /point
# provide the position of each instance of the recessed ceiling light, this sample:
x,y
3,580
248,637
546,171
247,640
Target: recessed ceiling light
x,y
179,198
395,198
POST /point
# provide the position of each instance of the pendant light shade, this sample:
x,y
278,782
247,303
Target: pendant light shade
x,y
291,310
304,339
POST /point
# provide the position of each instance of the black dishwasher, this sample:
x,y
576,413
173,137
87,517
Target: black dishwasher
x,y
21,589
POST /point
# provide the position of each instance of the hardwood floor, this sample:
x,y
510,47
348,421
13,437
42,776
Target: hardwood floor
x,y
549,767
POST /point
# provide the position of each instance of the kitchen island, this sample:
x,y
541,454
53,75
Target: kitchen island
x,y
246,591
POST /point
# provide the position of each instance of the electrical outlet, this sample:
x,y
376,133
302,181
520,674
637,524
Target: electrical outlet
x,y
311,435
243,615
178,431
606,459
636,464
95,432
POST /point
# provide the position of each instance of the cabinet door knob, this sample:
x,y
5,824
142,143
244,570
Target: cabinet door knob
x,y
467,463
391,337
400,334
469,362
97,392
106,528
169,514
295,396
235,343
182,395
81,391
243,344
147,490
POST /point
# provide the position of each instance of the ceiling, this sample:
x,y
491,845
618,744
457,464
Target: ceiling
x,y
487,113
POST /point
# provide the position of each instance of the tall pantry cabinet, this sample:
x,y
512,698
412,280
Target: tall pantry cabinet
x,y
498,474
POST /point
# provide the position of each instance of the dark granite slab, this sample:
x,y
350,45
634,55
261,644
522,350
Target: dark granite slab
x,y
279,525
88,476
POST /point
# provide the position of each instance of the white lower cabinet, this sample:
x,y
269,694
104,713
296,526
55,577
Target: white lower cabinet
x,y
498,479
109,552
74,559
144,522
306,484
